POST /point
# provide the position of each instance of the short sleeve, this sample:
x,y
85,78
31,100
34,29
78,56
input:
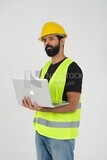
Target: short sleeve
x,y
74,78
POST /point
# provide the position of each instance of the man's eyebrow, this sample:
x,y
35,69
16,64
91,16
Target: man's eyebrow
x,y
51,36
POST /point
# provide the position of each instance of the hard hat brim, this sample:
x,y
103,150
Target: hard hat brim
x,y
63,35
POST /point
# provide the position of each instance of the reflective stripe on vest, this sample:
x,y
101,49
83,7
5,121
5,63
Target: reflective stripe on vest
x,y
57,124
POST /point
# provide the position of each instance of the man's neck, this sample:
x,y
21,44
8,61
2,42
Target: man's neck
x,y
57,58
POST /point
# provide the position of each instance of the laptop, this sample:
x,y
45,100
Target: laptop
x,y
36,89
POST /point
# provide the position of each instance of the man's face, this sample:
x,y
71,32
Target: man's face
x,y
52,45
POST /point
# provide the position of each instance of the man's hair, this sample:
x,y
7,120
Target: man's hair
x,y
59,37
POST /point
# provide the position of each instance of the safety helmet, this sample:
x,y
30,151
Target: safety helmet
x,y
52,28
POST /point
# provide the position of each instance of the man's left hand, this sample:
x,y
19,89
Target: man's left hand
x,y
26,102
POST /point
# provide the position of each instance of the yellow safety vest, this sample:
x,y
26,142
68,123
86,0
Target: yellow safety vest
x,y
57,125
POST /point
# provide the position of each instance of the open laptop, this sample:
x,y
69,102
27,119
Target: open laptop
x,y
36,89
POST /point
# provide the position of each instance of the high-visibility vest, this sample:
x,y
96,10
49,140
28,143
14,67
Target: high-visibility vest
x,y
57,125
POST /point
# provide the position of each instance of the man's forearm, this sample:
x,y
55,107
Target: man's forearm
x,y
66,108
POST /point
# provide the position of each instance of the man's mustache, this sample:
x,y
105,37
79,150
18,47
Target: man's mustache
x,y
48,47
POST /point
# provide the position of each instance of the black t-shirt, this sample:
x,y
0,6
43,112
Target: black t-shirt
x,y
73,78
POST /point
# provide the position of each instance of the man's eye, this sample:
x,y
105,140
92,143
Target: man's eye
x,y
44,40
51,39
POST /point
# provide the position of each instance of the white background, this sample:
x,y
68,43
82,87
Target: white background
x,y
21,21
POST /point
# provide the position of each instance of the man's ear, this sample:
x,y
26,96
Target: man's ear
x,y
62,41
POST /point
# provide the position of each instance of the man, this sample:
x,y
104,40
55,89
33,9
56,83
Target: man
x,y
56,128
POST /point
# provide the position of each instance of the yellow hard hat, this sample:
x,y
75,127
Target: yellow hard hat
x,y
52,28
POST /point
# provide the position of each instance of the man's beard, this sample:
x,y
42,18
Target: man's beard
x,y
52,51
